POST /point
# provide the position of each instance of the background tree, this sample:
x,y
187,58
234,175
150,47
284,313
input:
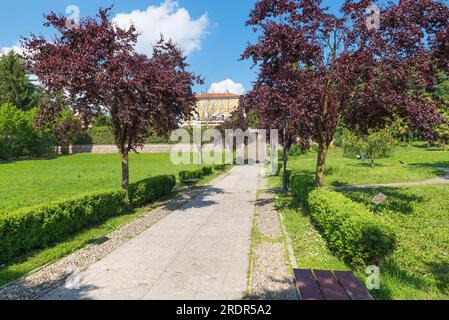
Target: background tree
x,y
15,85
58,122
375,144
96,66
442,92
318,68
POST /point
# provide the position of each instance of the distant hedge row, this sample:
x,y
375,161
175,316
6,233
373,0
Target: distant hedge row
x,y
352,231
37,227
198,174
104,135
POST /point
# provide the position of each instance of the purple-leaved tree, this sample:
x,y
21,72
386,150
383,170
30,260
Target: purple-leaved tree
x,y
98,69
317,68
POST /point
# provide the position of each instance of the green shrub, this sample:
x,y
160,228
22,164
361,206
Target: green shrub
x,y
190,175
99,135
18,135
149,190
220,167
207,171
36,227
96,136
351,230
301,185
296,151
373,145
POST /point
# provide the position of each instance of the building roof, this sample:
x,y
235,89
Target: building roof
x,y
217,95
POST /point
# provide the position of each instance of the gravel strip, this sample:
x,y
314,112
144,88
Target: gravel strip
x,y
54,275
270,277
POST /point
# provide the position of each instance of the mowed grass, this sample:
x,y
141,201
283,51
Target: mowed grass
x,y
418,164
308,245
140,164
419,267
32,182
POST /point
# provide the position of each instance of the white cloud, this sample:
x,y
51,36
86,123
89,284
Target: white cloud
x,y
168,19
227,86
16,48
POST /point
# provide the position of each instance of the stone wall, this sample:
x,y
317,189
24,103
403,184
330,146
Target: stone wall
x,y
148,148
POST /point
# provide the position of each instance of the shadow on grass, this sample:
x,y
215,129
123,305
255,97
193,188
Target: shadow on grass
x,y
47,158
440,272
403,278
367,165
435,165
397,200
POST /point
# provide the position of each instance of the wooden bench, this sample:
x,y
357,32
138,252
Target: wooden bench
x,y
191,182
329,285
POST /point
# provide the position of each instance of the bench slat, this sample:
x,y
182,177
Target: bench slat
x,y
330,286
307,286
352,285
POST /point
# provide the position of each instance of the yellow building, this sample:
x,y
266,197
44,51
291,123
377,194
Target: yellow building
x,y
213,109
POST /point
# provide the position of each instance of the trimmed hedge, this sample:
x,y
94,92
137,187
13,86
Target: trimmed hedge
x,y
36,227
190,174
99,135
220,167
195,174
207,171
301,185
149,190
351,230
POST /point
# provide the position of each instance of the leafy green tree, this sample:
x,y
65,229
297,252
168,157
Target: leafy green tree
x,y
16,132
16,87
374,145
442,91
58,122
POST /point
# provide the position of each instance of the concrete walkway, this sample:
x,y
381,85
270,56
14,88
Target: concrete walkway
x,y
198,252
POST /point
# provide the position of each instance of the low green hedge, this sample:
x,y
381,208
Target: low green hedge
x,y
149,190
207,171
99,135
351,230
220,167
190,175
301,185
36,227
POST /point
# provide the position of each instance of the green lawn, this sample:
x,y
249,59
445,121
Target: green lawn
x,y
419,267
30,182
419,164
309,247
52,179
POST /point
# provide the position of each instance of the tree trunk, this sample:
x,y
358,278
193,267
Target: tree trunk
x,y
321,164
125,174
285,159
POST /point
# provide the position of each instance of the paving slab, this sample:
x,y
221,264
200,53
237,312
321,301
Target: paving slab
x,y
200,251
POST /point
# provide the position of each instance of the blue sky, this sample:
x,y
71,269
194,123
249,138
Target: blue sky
x,y
212,32
223,39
